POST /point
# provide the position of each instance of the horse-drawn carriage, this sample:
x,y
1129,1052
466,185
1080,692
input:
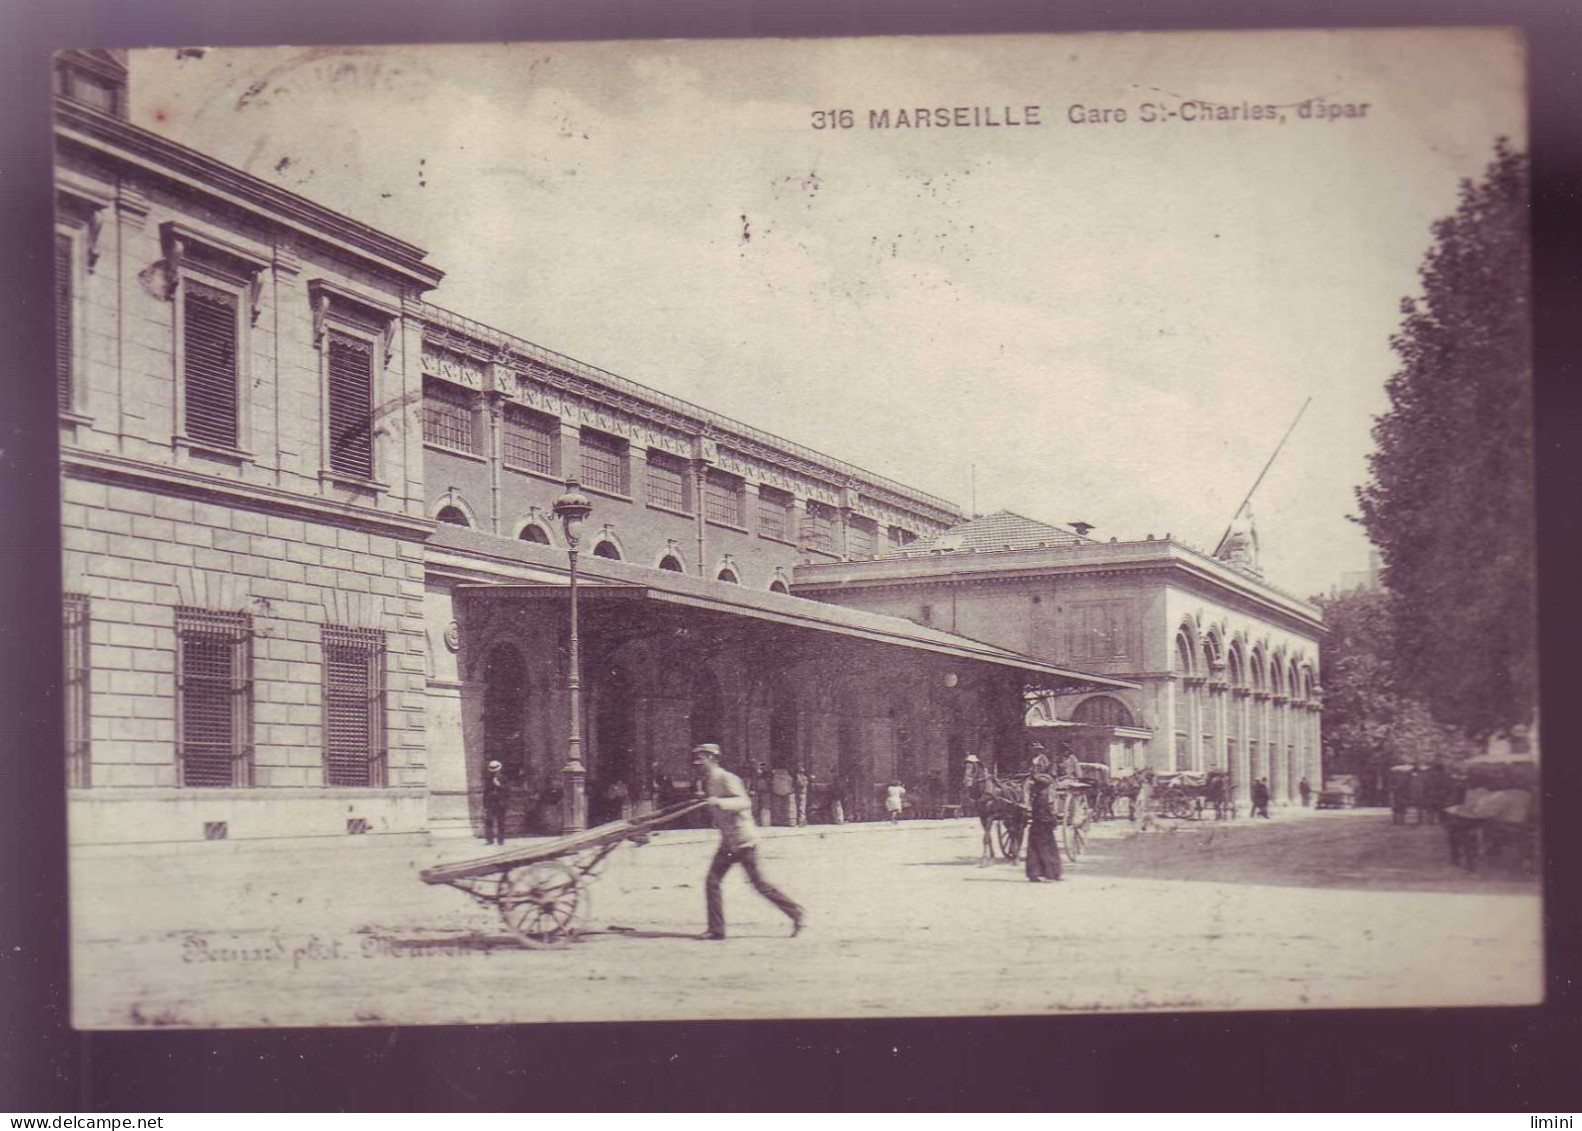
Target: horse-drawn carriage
x,y
1188,794
1183,794
1002,808
1497,817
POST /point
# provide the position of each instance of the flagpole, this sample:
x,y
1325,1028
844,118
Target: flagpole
x,y
1220,545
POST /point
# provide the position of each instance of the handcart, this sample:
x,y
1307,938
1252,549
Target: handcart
x,y
542,892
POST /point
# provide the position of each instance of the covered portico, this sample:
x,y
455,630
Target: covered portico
x,y
856,698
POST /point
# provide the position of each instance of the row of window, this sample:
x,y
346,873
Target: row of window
x,y
214,297
214,700
531,442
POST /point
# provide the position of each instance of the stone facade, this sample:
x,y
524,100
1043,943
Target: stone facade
x,y
1226,665
162,522
312,572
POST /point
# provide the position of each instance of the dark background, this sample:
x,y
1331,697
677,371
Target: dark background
x,y
1522,1060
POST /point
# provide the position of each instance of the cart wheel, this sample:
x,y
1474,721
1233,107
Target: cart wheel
x,y
541,901
1010,840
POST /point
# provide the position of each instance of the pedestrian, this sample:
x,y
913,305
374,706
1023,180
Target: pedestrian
x,y
761,794
1306,791
1070,767
494,800
783,788
972,778
730,806
1260,799
894,800
1143,807
619,798
802,783
1043,858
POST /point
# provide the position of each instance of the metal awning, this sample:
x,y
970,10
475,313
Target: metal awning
x,y
612,602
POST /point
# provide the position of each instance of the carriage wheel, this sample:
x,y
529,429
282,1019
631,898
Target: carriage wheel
x,y
1010,838
541,901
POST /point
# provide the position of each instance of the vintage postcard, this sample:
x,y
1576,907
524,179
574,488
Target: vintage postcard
x,y
703,529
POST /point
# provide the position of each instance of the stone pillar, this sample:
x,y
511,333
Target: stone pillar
x,y
1241,774
494,447
1219,716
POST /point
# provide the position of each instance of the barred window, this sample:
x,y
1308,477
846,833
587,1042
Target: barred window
x,y
354,707
448,417
774,513
530,440
209,343
79,719
818,527
63,322
603,462
351,402
214,697
722,498
860,538
667,481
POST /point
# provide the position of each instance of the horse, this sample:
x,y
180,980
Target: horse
x,y
997,799
1217,793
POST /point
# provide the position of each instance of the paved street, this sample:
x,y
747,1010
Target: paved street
x,y
1310,910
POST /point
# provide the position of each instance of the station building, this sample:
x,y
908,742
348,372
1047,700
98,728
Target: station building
x,y
1225,665
313,578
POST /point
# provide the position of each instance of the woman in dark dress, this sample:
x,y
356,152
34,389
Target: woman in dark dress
x,y
1043,857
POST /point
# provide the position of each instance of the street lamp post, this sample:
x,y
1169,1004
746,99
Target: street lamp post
x,y
572,509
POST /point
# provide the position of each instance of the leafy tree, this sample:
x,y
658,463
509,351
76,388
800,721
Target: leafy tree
x,y
1450,501
1368,724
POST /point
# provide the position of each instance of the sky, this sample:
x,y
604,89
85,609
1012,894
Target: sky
x,y
1086,319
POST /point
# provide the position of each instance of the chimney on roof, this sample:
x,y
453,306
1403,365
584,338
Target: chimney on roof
x,y
1081,528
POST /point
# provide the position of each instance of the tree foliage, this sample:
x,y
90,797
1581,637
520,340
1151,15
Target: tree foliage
x,y
1450,501
1369,725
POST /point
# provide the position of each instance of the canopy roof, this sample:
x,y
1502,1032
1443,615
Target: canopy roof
x,y
633,607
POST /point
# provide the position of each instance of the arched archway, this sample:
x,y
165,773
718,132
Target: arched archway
x,y
1103,710
782,725
613,772
505,713
707,713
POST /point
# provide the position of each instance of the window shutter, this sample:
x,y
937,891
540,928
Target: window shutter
x,y
354,707
79,718
351,406
210,344
214,692
63,322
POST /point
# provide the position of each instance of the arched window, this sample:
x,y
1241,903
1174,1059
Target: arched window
x,y
535,533
1104,711
1183,654
728,576
606,549
672,564
1233,670
778,586
453,516
1257,671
